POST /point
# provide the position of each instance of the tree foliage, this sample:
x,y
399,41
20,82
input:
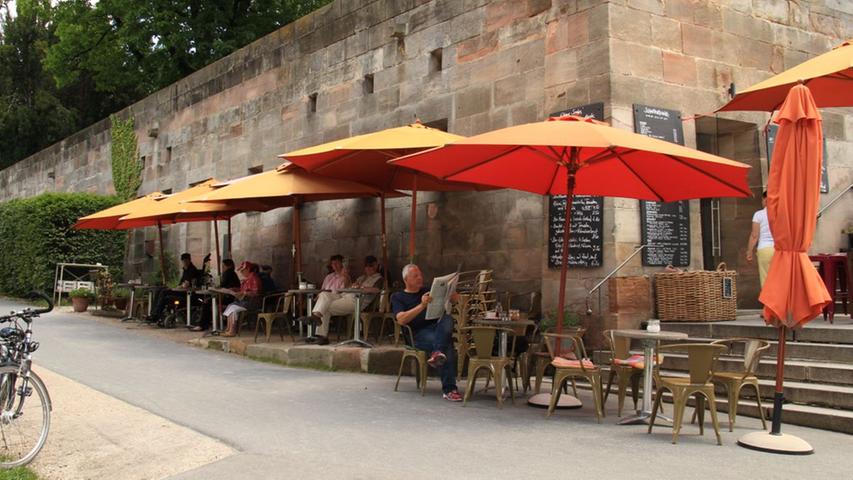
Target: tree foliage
x,y
36,234
69,63
127,169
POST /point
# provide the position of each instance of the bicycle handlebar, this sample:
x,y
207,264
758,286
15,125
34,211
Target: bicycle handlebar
x,y
39,311
29,313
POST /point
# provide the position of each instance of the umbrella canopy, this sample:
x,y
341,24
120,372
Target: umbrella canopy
x,y
282,187
176,208
363,158
572,155
538,158
829,76
794,293
109,219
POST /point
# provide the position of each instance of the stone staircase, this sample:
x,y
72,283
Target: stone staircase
x,y
818,368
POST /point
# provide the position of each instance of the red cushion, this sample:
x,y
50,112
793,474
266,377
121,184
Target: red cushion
x,y
562,362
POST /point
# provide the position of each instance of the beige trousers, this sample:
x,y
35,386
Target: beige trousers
x,y
764,255
332,304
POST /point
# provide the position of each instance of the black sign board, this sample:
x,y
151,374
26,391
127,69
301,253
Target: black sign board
x,y
665,227
586,239
824,174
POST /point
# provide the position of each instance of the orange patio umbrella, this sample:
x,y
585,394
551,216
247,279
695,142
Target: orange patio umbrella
x,y
572,155
286,186
109,218
168,209
364,159
793,293
828,76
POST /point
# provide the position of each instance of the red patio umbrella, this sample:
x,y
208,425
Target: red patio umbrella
x,y
793,293
572,155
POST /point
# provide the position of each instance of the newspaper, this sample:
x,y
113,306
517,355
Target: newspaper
x,y
441,291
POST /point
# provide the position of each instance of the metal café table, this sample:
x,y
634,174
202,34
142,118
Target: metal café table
x,y
649,341
133,287
309,294
215,315
356,319
189,292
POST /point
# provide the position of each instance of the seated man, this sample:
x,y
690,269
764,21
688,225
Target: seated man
x,y
191,277
267,283
433,336
229,277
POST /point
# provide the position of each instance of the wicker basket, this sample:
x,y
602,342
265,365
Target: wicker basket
x,y
701,296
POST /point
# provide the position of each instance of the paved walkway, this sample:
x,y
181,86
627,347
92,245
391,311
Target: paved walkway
x,y
290,423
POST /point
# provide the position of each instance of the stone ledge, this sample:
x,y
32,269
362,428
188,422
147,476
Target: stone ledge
x,y
384,360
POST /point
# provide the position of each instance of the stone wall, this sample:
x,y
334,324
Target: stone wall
x,y
474,65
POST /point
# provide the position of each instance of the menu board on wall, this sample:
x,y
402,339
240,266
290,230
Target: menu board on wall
x,y
587,221
665,227
771,143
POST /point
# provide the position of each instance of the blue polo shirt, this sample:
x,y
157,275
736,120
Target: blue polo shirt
x,y
405,301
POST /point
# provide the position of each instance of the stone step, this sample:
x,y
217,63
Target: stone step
x,y
821,352
795,370
815,332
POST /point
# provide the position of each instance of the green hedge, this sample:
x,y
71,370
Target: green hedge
x,y
36,234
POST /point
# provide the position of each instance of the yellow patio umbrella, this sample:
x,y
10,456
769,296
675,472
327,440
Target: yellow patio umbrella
x,y
168,209
109,218
829,77
363,159
286,186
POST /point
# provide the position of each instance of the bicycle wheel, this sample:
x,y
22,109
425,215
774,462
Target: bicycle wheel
x,y
24,419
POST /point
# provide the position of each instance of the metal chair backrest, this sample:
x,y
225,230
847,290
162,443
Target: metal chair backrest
x,y
384,302
483,339
753,349
571,345
620,347
701,359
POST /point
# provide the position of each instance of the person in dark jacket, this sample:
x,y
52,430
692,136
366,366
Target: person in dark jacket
x,y
267,283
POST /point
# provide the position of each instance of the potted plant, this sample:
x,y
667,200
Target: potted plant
x,y
120,298
80,299
549,320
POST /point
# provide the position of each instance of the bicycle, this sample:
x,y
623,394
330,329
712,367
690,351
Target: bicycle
x,y
23,432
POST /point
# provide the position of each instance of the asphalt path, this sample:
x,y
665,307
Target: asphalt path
x,y
291,423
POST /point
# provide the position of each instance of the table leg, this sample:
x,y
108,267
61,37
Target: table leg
x,y
150,301
214,314
356,338
643,416
128,314
189,309
310,328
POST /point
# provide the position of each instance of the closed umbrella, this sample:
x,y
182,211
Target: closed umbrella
x,y
793,293
364,159
572,155
829,77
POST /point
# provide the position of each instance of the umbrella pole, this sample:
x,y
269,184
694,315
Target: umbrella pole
x,y
218,256
297,243
384,240
414,222
230,241
776,427
162,254
567,227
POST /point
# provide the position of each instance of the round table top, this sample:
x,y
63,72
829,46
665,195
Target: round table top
x,y
306,291
502,323
644,334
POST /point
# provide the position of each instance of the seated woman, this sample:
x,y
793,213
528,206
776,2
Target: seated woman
x,y
250,286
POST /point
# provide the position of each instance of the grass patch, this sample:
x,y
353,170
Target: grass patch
x,y
313,366
19,473
272,360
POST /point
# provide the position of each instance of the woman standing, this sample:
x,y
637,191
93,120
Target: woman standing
x,y
763,239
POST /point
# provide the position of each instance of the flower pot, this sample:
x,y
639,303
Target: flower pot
x,y
81,304
120,303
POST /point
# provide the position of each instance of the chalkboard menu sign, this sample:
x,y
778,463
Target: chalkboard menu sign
x,y
586,239
665,227
824,174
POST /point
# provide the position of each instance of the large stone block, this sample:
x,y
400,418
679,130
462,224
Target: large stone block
x,y
666,33
561,67
630,25
637,60
679,69
472,101
698,41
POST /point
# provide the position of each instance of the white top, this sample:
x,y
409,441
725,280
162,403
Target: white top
x,y
765,238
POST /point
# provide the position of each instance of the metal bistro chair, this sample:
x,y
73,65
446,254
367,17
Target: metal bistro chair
x,y
281,312
624,367
480,358
418,356
734,381
542,357
701,358
566,369
383,313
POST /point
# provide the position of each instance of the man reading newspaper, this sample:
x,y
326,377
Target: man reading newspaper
x,y
414,306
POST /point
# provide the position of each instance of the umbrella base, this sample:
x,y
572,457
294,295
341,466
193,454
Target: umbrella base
x,y
775,443
542,400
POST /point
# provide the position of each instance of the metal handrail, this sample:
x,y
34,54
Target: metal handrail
x,y
607,277
837,197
